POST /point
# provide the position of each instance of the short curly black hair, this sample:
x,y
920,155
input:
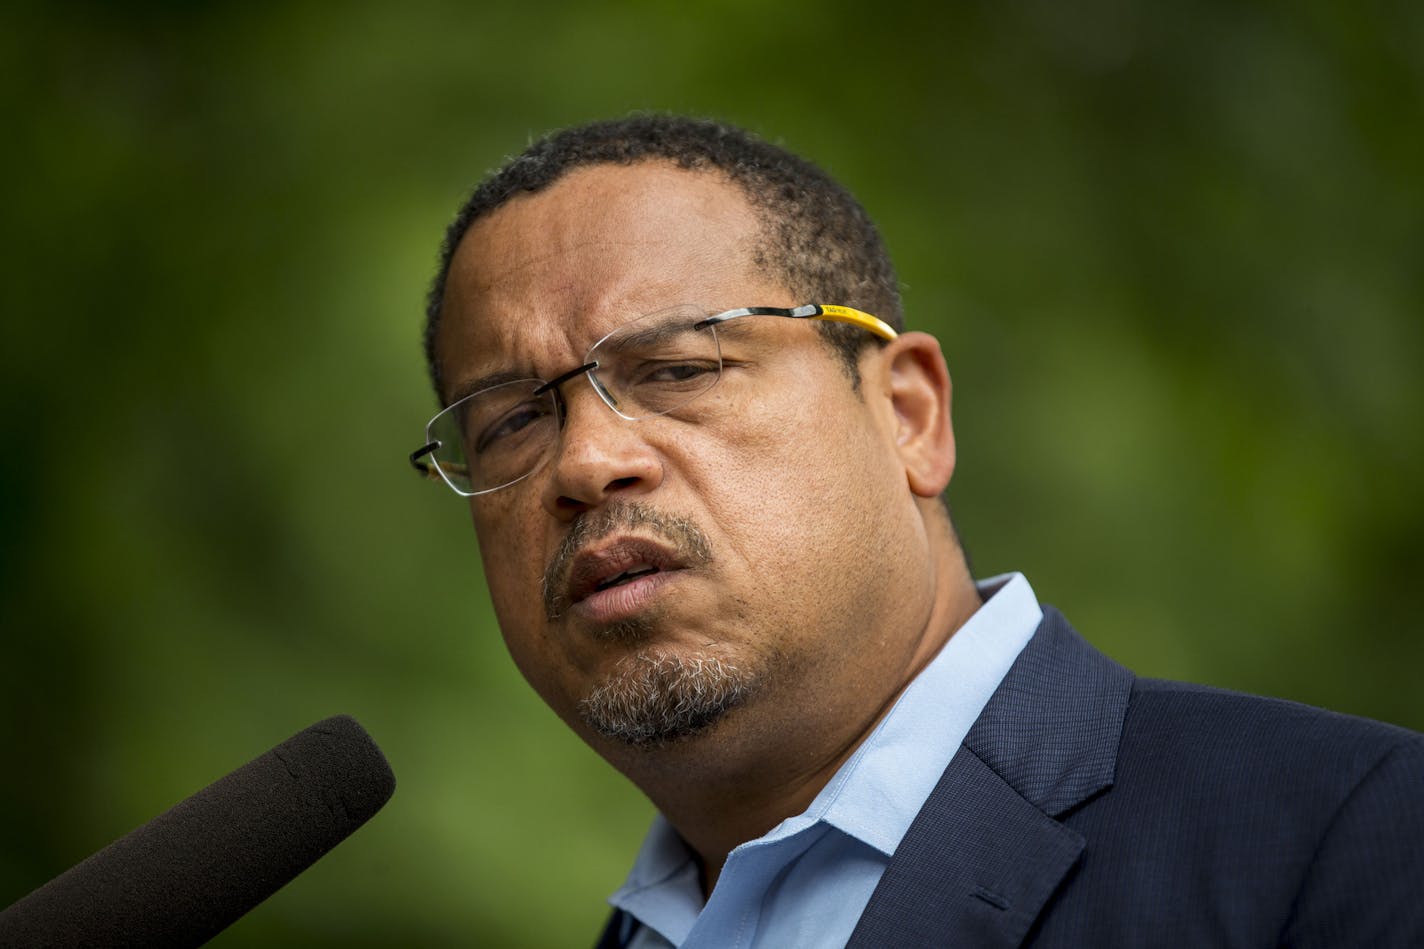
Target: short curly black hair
x,y
813,230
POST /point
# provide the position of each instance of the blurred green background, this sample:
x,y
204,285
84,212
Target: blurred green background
x,y
1175,253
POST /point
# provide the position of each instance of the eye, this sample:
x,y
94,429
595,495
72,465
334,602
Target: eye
x,y
675,373
495,434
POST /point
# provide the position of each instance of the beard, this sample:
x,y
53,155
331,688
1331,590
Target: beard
x,y
653,699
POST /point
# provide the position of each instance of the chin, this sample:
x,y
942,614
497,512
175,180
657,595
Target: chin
x,y
653,699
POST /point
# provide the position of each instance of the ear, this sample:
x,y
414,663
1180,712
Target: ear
x,y
919,390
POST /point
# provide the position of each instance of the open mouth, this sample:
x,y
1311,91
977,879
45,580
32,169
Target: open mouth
x,y
617,564
627,576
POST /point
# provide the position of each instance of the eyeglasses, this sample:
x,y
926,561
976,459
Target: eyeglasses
x,y
654,365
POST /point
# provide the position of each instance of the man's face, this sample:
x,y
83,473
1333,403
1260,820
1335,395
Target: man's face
x,y
727,575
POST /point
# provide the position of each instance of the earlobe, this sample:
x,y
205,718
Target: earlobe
x,y
919,389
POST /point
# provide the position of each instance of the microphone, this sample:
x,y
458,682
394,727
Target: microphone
x,y
180,879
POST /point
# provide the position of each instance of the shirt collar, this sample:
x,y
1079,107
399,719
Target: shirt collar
x,y
662,890
876,794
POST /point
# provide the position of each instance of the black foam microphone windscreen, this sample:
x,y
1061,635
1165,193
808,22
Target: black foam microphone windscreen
x,y
188,873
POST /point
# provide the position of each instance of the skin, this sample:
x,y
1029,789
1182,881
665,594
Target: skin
x,y
834,573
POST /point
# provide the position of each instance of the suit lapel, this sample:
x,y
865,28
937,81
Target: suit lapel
x,y
995,860
986,852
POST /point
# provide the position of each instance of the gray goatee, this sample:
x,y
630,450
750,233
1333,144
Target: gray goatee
x,y
652,700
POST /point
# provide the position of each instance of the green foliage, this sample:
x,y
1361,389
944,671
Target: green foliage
x,y
1173,251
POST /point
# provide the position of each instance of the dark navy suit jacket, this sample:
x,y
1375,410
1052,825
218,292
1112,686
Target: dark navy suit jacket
x,y
1089,808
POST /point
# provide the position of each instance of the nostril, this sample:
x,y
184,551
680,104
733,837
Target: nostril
x,y
619,483
570,505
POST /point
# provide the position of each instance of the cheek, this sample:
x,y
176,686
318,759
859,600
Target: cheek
x,y
514,564
515,594
799,479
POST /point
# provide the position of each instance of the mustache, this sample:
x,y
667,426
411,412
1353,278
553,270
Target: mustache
x,y
686,539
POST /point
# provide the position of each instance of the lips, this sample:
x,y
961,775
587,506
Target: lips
x,y
622,561
614,560
627,576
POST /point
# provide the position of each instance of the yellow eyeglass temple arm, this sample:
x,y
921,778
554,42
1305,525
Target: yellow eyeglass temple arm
x,y
846,314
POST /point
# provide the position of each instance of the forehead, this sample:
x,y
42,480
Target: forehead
x,y
547,273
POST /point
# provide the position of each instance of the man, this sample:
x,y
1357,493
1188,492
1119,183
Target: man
x,y
705,466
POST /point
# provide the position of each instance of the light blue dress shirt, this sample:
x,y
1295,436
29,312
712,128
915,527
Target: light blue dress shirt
x,y
807,880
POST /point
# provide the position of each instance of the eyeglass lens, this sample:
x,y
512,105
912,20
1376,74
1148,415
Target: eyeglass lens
x,y
646,368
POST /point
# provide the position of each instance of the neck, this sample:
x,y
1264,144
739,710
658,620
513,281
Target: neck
x,y
766,763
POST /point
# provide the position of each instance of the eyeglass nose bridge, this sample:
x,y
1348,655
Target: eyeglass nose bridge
x,y
586,369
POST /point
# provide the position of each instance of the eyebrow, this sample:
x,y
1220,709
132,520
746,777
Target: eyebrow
x,y
741,326
487,381
658,332
652,334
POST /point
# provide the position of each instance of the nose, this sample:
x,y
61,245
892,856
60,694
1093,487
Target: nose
x,y
599,456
